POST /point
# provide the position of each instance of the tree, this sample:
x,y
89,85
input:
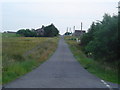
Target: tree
x,y
67,33
86,38
27,32
102,40
50,31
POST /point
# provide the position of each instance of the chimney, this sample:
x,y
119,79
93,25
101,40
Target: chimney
x,y
67,29
74,29
70,29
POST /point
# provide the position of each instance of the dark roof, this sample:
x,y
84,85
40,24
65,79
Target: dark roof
x,y
79,30
39,29
10,32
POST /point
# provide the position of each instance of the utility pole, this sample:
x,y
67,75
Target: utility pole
x,y
81,26
119,15
119,7
67,31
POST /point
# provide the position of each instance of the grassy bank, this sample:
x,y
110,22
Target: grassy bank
x,y
22,54
96,68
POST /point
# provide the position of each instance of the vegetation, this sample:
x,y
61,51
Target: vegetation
x,y
10,35
22,54
94,67
27,33
49,31
101,41
67,33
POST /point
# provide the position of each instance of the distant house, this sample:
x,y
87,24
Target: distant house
x,y
79,32
40,31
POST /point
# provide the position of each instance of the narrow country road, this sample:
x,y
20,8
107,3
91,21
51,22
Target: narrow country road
x,y
60,71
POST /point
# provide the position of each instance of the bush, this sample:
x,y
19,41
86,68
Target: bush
x,y
102,40
27,33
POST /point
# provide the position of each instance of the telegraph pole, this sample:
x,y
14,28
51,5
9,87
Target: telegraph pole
x,y
118,16
81,26
67,31
119,7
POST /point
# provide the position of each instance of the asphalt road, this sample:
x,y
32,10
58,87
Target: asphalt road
x,y
60,71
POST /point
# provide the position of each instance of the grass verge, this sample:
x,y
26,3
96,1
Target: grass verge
x,y
20,55
91,65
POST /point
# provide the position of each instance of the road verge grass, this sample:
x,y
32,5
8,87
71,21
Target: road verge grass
x,y
91,65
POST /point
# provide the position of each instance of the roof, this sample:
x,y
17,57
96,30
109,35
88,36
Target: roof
x,y
79,31
40,29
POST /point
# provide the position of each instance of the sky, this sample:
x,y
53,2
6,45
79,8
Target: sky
x,y
23,14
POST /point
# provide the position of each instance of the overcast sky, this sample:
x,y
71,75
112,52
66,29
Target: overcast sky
x,y
19,14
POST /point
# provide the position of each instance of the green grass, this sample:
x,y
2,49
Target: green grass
x,y
96,68
18,69
22,54
10,35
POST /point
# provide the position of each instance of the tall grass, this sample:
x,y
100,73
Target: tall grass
x,y
94,67
22,54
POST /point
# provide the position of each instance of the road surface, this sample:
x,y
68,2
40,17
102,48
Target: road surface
x,y
60,71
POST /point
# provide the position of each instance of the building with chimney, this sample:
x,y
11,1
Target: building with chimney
x,y
40,31
78,32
